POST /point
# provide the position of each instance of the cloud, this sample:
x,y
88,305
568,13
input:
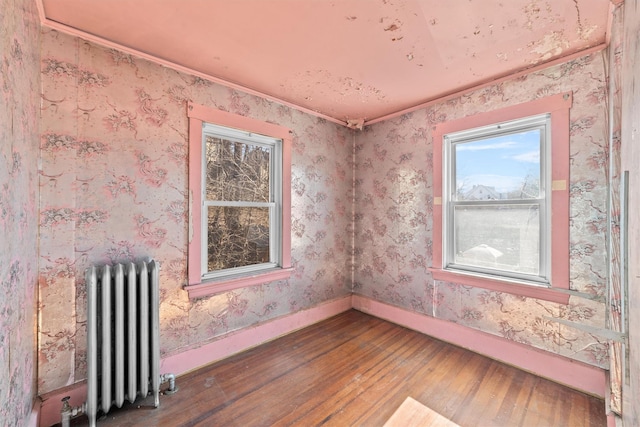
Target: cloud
x,y
529,157
490,146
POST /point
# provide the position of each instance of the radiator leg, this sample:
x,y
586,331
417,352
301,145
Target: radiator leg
x,y
172,383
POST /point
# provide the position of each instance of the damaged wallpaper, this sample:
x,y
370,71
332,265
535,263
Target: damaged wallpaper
x,y
114,187
394,216
19,103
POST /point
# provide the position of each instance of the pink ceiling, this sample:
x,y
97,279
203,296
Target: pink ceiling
x,y
343,59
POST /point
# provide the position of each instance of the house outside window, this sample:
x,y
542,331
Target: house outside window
x,y
240,203
501,199
496,204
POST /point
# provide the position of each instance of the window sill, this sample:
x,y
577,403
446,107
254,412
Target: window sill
x,y
208,288
511,287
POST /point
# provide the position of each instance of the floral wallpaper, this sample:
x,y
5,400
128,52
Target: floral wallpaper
x,y
394,218
614,171
627,103
19,103
114,187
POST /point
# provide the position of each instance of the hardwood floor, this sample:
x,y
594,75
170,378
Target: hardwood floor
x,y
356,370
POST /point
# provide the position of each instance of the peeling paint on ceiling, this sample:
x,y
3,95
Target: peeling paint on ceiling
x,y
350,60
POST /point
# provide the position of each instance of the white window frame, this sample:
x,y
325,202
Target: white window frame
x,y
450,200
274,204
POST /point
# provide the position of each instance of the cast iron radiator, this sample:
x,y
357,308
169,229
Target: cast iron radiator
x,y
123,338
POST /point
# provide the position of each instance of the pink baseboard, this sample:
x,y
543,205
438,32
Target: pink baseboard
x,y
244,339
192,359
577,375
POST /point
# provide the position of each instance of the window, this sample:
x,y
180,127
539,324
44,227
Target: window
x,y
239,185
496,205
241,201
501,199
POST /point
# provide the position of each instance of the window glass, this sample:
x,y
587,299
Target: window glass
x,y
497,217
237,171
498,237
499,167
237,237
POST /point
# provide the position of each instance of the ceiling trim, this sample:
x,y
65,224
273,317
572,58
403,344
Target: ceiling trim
x,y
46,22
54,25
476,86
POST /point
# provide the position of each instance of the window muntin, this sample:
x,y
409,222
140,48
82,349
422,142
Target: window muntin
x,y
496,201
241,202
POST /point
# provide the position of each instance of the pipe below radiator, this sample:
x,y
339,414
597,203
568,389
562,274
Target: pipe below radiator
x,y
68,412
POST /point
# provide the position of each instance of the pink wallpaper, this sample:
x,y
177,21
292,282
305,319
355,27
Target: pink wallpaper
x,y
616,350
19,101
114,187
627,56
394,216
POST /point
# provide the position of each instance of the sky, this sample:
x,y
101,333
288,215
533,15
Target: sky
x,y
501,162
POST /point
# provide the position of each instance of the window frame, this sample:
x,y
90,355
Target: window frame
x,y
200,283
541,122
274,203
557,290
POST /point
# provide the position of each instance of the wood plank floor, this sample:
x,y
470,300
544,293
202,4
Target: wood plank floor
x,y
356,370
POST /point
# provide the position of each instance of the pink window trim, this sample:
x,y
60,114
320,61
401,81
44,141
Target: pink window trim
x,y
209,288
558,106
197,115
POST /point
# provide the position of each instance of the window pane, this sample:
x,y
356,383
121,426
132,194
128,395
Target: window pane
x,y
237,171
237,237
498,167
498,237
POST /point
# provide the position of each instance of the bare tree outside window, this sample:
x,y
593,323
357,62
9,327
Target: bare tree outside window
x,y
238,184
239,201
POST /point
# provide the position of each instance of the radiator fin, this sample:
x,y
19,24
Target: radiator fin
x,y
105,353
132,332
123,335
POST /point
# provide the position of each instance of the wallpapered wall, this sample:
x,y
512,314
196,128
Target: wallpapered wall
x,y
394,216
627,100
114,187
19,104
616,299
